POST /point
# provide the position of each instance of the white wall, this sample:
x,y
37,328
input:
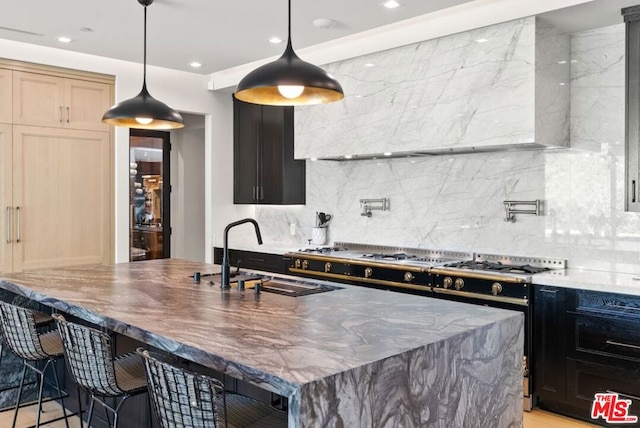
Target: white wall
x,y
188,196
185,92
223,211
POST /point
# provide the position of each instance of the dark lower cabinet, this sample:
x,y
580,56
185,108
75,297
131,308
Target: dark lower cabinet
x,y
549,343
252,260
585,342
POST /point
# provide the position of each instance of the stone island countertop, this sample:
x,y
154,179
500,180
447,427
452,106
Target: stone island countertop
x,y
353,357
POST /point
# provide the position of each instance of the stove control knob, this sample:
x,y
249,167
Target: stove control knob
x,y
305,264
408,277
327,267
297,263
459,283
368,272
447,282
496,288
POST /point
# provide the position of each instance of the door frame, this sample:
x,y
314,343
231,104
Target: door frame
x,y
166,178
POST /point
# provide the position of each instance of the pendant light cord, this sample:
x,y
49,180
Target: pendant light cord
x,y
289,28
144,57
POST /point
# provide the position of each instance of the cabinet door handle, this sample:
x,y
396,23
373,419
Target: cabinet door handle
x,y
548,291
633,190
18,224
68,114
623,394
253,193
260,193
60,114
8,220
626,345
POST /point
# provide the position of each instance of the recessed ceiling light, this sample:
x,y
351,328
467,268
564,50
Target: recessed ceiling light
x,y
314,159
562,83
573,61
275,40
324,23
562,62
64,39
387,153
358,96
391,4
348,156
482,40
369,64
195,64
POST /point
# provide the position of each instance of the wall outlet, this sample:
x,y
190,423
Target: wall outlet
x,y
292,229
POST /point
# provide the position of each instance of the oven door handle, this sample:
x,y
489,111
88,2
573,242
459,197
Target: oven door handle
x,y
477,275
489,297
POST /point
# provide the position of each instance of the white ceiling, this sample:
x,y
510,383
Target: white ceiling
x,y
223,34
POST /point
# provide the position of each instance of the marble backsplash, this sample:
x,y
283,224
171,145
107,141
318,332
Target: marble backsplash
x,y
455,202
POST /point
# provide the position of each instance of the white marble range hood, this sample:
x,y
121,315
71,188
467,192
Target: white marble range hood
x,y
501,86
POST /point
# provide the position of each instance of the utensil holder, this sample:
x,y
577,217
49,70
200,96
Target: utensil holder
x,y
319,235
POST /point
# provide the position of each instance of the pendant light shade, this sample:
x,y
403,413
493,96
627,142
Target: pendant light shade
x,y
143,111
289,81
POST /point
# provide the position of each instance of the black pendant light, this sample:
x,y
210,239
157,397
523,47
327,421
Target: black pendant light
x,y
289,81
143,111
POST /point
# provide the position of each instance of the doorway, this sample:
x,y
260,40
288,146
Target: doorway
x,y
149,195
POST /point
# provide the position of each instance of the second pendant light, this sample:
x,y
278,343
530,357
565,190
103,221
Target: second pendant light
x,y
289,81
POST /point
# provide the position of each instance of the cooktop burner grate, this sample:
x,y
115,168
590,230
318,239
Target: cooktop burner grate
x,y
496,267
321,250
386,256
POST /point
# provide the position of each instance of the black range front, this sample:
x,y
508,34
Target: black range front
x,y
360,270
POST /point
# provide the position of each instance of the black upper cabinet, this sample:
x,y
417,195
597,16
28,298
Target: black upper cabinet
x,y
264,169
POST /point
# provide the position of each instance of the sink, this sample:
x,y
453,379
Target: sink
x,y
285,287
295,288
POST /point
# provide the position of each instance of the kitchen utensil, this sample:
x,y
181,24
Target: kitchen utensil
x,y
324,219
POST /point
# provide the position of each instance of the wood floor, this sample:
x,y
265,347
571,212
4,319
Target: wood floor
x,y
27,417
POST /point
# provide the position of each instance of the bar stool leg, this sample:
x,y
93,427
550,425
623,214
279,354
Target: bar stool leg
x,y
55,377
40,390
90,411
15,414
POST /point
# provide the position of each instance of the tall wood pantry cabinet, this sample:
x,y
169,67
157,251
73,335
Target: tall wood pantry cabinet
x,y
56,163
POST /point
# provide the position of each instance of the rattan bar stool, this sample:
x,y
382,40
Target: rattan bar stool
x,y
181,398
96,370
20,335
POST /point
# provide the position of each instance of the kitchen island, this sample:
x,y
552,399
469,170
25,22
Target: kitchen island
x,y
353,357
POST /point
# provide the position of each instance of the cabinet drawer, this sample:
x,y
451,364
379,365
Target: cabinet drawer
x,y
601,337
618,305
585,379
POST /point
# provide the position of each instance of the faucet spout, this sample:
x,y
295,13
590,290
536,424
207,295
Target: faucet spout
x,y
224,278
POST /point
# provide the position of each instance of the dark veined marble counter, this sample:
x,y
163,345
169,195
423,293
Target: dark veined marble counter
x,y
354,357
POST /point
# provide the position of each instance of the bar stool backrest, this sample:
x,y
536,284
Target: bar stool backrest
x,y
182,398
89,356
18,328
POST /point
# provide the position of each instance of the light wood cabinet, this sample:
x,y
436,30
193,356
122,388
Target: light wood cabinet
x,y
6,200
61,197
59,102
56,167
6,96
